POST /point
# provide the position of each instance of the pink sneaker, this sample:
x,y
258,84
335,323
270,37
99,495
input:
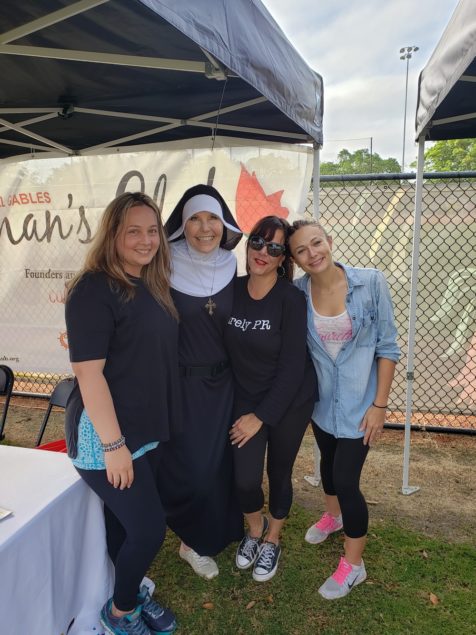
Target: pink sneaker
x,y
343,580
328,524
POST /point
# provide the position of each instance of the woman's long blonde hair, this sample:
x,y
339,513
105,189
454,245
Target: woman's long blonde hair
x,y
103,255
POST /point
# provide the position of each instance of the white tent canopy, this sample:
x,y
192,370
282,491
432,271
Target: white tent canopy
x,y
446,109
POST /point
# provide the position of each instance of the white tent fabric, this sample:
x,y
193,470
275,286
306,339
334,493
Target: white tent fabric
x,y
446,106
446,109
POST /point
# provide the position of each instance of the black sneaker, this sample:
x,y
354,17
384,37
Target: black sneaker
x,y
267,562
160,621
248,548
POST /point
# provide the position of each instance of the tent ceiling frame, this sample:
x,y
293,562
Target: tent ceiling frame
x,y
455,119
33,135
157,63
170,122
195,121
212,69
29,122
49,19
21,144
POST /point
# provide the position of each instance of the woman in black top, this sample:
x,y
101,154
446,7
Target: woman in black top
x,y
120,320
275,389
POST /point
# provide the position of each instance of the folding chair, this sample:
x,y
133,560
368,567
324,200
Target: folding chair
x,y
6,386
59,397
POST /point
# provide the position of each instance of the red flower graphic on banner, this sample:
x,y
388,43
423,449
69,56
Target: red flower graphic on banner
x,y
252,203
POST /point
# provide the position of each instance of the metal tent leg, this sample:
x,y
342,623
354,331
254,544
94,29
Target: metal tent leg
x,y
406,488
315,479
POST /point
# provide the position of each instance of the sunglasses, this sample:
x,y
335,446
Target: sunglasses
x,y
274,249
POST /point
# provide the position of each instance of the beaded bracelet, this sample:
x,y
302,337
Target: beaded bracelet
x,y
382,407
114,445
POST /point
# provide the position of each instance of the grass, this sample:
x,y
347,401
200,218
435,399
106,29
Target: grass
x,y
415,585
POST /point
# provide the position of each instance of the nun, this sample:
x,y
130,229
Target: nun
x,y
197,466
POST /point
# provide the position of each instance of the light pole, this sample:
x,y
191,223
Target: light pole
x,y
406,54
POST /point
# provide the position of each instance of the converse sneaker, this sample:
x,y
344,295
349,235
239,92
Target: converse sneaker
x,y
327,524
248,548
343,580
159,620
129,624
267,562
204,566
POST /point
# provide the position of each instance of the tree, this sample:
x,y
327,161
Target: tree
x,y
454,155
360,162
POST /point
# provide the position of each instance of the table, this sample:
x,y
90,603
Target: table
x,y
54,566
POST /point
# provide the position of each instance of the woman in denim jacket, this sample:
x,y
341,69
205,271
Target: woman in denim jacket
x,y
353,343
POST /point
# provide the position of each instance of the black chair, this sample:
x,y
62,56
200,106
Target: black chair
x,y
6,386
59,397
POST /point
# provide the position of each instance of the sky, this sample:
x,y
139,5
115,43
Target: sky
x,y
355,46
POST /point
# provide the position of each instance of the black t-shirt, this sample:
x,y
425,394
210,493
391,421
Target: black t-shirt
x,y
139,341
266,341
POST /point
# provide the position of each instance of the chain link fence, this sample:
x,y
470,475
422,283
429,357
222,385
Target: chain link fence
x,y
371,222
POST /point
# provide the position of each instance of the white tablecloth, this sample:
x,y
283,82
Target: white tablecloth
x,y
54,566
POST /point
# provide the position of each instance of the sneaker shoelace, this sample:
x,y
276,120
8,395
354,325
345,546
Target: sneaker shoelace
x,y
326,523
200,560
134,627
342,571
152,608
266,556
249,546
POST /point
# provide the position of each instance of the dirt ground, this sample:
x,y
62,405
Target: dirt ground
x,y
443,466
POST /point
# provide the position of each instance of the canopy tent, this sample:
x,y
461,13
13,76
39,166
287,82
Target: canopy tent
x,y
446,109
100,75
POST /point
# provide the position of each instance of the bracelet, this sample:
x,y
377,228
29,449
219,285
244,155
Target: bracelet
x,y
382,407
114,445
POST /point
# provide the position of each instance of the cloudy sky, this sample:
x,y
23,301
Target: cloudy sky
x,y
355,46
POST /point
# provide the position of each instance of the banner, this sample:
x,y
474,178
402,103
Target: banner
x,y
49,211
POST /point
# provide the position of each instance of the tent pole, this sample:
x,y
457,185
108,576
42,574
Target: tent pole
x,y
316,178
315,479
406,488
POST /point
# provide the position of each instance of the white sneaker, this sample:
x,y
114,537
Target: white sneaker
x,y
326,525
203,566
343,580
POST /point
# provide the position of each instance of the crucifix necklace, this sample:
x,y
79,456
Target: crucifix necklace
x,y
210,304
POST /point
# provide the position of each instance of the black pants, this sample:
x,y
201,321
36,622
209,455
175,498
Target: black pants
x,y
135,525
283,442
342,461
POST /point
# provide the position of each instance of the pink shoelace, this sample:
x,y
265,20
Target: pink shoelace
x,y
342,571
327,522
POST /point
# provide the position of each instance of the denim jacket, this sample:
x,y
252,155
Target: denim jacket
x,y
347,386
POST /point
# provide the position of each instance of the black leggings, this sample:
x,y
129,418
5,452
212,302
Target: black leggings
x,y
283,441
342,461
135,525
